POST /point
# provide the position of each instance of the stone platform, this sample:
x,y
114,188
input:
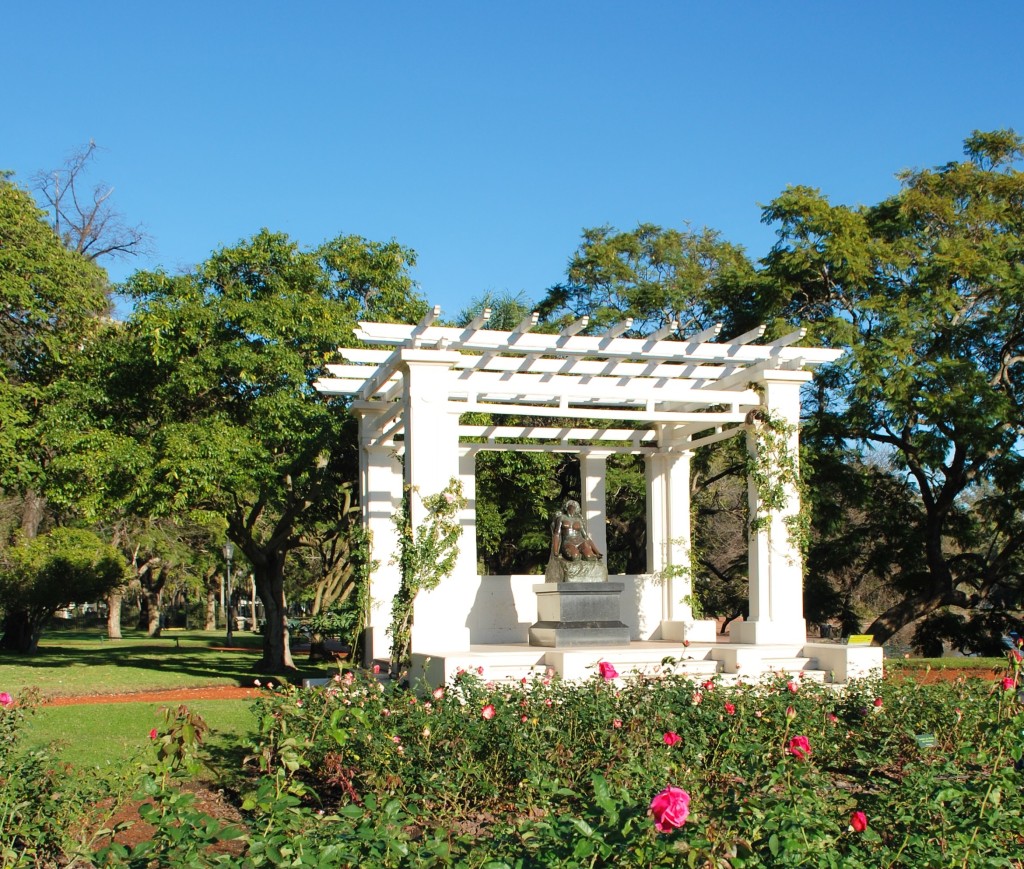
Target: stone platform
x,y
579,614
831,663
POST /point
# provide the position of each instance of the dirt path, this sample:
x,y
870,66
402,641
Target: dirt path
x,y
176,695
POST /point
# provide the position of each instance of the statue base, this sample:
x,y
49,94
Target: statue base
x,y
578,570
575,614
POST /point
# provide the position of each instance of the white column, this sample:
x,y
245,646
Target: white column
x,y
440,617
467,562
381,487
668,543
775,560
593,468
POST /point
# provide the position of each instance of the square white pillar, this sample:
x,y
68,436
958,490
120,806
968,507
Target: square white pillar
x,y
440,616
669,539
381,493
775,559
593,468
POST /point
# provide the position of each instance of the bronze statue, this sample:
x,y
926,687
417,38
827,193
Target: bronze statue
x,y
569,537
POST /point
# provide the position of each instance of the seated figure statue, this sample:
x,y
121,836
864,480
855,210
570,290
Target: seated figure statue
x,y
574,555
569,537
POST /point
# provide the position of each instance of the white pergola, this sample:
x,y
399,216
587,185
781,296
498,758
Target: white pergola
x,y
652,396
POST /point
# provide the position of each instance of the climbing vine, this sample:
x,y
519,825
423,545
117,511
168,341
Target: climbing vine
x,y
426,555
689,571
362,569
774,468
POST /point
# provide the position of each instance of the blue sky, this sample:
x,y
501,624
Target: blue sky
x,y
486,135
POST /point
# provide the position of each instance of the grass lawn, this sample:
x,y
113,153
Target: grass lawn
x,y
110,735
897,665
80,662
77,662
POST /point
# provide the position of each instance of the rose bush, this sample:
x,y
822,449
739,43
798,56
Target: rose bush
x,y
546,773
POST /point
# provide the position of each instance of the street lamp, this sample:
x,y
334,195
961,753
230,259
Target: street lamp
x,y
229,553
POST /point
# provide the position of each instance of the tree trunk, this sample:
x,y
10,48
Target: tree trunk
x,y
32,512
114,599
143,622
20,634
151,582
211,609
910,610
153,623
277,656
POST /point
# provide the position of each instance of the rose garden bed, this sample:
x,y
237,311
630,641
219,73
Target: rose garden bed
x,y
614,772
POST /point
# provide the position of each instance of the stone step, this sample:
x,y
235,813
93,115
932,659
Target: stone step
x,y
790,666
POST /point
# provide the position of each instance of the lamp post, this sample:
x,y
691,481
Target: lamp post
x,y
229,553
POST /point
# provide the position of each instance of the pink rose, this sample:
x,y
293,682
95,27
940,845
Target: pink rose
x,y
697,698
608,671
790,713
670,809
799,747
859,822
153,733
376,669
5,699
730,708
792,686
488,712
671,738
617,723
1008,683
438,693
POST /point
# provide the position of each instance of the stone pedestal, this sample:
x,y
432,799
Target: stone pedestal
x,y
574,614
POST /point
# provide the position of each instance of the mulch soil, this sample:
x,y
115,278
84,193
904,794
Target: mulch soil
x,y
175,695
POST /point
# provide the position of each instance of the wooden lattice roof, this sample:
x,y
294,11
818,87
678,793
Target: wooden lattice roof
x,y
695,384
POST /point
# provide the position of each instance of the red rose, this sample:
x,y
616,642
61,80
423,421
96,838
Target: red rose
x,y
799,747
859,822
488,711
1008,683
671,738
670,809
608,671
730,708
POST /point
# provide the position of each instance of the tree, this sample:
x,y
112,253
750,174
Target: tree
x,y
50,302
927,287
87,222
656,276
45,573
213,383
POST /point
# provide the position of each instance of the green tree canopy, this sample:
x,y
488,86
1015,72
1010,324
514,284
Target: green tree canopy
x,y
212,381
41,575
50,302
927,287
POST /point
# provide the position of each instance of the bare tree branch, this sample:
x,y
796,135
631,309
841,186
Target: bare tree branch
x,y
87,222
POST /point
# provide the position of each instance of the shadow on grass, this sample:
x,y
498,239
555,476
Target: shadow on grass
x,y
195,655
